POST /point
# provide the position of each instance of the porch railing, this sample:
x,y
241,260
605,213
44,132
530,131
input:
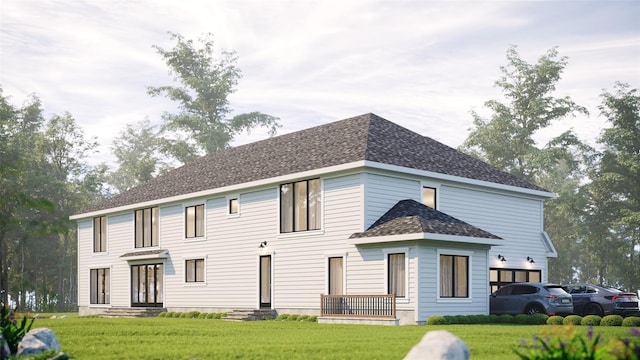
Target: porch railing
x,y
378,306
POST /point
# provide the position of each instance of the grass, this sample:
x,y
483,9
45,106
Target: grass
x,y
172,338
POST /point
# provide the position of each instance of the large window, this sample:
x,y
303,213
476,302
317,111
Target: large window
x,y
194,221
100,234
396,275
429,196
336,276
100,285
194,270
454,276
501,277
300,206
146,227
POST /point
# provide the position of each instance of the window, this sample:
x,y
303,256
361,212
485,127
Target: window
x,y
100,285
194,270
146,227
429,196
300,206
454,276
501,277
396,275
336,272
233,206
100,234
194,221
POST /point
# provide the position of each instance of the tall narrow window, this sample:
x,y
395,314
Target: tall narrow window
x,y
194,221
454,276
429,196
300,206
100,234
146,227
100,286
194,270
396,274
336,271
233,206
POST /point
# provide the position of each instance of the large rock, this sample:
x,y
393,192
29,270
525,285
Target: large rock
x,y
439,345
4,348
37,341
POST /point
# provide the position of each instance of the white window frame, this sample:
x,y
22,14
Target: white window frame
x,y
184,268
304,233
184,221
327,256
455,252
386,252
106,234
110,286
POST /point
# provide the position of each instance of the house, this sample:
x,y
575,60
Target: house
x,y
356,219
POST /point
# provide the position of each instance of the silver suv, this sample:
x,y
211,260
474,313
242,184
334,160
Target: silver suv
x,y
531,298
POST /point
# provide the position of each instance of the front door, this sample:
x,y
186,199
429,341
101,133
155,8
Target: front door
x,y
265,282
146,285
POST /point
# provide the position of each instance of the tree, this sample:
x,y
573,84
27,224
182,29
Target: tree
x,y
137,152
203,123
615,191
506,140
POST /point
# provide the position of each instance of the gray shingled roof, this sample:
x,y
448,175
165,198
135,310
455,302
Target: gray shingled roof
x,y
412,217
365,137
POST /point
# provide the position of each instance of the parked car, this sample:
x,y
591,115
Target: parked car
x,y
597,300
531,298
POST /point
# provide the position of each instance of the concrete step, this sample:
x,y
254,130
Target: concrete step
x,y
132,312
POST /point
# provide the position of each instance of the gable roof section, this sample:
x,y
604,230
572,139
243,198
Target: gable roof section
x,y
366,137
412,217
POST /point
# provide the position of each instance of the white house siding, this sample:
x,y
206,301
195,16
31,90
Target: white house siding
x,y
518,220
429,303
300,259
382,192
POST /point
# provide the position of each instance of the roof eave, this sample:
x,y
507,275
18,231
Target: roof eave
x,y
425,236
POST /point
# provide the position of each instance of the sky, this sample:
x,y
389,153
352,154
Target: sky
x,y
424,65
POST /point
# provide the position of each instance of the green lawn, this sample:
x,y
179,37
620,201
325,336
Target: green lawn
x,y
174,338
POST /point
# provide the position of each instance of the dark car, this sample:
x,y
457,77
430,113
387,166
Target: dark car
x,y
531,298
597,300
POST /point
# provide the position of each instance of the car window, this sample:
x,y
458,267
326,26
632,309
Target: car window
x,y
556,290
591,290
506,290
524,290
576,289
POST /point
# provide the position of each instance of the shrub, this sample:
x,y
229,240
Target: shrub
x,y
564,343
522,319
176,315
162,314
202,316
631,321
193,314
451,319
303,317
494,319
538,319
572,320
283,317
312,318
505,319
12,329
461,319
436,320
611,320
555,320
591,320
293,317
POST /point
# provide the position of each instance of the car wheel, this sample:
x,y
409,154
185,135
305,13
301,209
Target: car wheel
x,y
534,309
593,309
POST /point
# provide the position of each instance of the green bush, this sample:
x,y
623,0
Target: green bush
x,y
312,319
611,320
505,319
555,320
193,314
162,314
283,317
451,319
631,321
293,317
538,319
522,319
203,316
303,317
591,320
461,319
572,320
494,319
437,320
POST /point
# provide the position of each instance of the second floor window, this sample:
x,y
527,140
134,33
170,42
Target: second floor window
x,y
146,227
100,234
300,206
194,221
429,196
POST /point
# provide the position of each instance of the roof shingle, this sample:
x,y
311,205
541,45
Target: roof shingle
x,y
365,137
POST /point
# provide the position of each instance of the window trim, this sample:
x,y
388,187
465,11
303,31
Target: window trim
x,y
204,274
435,187
327,258
103,234
293,207
151,226
98,304
389,251
455,252
195,223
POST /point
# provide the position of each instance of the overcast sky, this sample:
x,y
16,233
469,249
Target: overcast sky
x,y
422,64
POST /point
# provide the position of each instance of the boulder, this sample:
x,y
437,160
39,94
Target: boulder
x,y
439,345
37,341
4,348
